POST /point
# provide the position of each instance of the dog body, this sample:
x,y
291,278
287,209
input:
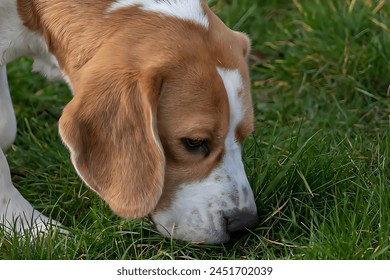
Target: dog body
x,y
161,104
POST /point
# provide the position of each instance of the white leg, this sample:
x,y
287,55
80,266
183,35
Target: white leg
x,y
16,213
7,115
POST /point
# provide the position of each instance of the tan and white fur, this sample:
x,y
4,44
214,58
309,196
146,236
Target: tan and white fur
x,y
161,105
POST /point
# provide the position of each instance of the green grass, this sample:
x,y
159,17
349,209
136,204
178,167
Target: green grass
x,y
318,160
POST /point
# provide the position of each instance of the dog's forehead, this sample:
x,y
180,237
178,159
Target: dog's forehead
x,y
194,100
190,10
213,101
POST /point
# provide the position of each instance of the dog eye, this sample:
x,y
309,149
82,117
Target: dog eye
x,y
196,145
193,144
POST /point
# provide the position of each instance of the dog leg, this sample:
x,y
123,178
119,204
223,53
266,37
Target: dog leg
x,y
7,115
16,213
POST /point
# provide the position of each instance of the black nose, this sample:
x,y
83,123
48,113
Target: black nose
x,y
242,221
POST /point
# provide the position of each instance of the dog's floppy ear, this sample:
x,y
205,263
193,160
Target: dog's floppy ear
x,y
110,129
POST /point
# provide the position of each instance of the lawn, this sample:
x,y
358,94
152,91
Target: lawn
x,y
318,161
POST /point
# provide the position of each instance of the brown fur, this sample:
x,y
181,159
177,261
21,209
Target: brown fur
x,y
141,83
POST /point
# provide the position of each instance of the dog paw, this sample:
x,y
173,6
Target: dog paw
x,y
17,216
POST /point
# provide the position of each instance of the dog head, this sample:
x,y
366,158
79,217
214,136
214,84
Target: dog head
x,y
158,117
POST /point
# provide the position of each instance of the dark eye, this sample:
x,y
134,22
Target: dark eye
x,y
196,145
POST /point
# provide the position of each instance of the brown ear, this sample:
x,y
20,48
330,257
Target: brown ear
x,y
110,130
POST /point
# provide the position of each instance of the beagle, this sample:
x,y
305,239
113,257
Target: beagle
x,y
161,103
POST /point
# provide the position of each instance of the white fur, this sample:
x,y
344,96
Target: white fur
x,y
206,210
7,115
233,84
16,213
184,9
